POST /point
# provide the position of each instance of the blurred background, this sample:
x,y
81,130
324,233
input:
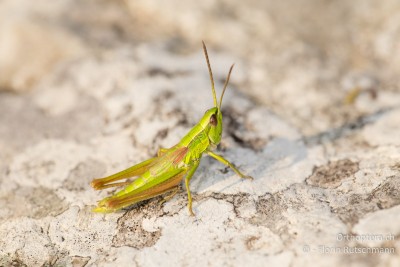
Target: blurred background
x,y
301,58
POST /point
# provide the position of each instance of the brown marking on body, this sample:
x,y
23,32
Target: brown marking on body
x,y
180,154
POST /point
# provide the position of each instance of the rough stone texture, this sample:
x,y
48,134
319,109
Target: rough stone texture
x,y
88,88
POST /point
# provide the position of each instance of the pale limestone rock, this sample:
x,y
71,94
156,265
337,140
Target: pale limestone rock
x,y
102,86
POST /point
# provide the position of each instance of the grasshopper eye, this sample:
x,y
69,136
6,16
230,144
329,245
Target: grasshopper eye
x,y
213,120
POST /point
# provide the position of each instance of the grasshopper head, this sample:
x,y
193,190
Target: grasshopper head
x,y
213,116
212,119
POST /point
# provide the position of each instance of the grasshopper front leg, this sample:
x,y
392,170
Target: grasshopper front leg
x,y
191,171
227,163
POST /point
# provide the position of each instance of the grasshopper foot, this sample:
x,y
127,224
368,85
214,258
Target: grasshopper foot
x,y
191,212
190,208
248,177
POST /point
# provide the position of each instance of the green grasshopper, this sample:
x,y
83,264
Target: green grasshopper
x,y
163,173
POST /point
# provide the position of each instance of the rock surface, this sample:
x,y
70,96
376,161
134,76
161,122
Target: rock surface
x,y
90,88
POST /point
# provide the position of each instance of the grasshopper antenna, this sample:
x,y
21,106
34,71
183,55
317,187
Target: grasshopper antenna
x,y
225,85
211,75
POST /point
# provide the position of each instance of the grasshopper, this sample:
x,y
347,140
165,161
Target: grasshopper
x,y
163,173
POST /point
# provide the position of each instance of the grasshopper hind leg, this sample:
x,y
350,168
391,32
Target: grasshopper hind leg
x,y
170,195
136,170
